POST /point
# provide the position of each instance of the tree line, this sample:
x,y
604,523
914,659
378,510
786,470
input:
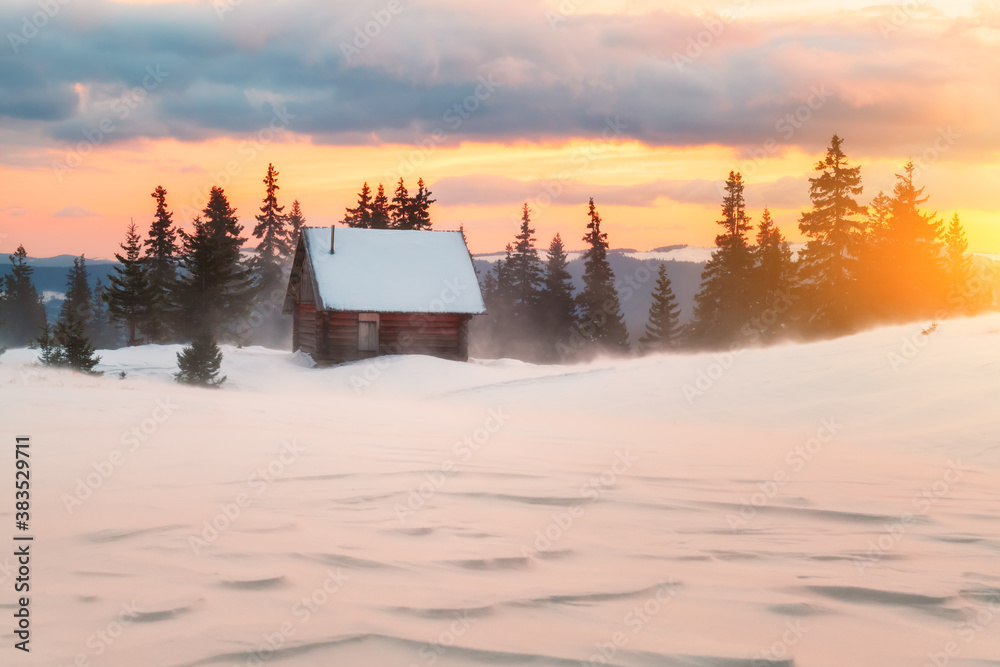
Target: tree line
x,y
887,262
532,312
403,211
174,285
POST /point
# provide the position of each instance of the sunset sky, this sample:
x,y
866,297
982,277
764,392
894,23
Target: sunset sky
x,y
646,106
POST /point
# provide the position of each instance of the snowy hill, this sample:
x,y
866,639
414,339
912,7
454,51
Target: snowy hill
x,y
833,503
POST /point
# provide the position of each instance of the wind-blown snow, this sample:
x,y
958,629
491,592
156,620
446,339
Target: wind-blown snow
x,y
834,503
393,270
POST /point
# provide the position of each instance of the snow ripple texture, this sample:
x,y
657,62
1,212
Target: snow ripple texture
x,y
826,504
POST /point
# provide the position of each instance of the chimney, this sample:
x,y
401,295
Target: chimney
x,y
333,229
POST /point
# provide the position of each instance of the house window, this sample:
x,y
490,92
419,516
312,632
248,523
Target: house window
x,y
368,332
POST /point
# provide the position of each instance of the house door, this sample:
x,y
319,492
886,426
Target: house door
x,y
368,332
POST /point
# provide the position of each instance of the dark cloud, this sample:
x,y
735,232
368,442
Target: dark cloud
x,y
497,71
37,101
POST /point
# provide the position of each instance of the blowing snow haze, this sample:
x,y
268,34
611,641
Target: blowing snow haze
x,y
393,513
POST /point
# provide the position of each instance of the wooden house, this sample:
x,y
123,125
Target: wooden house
x,y
359,293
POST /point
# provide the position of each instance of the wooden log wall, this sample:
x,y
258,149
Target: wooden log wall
x,y
332,337
304,328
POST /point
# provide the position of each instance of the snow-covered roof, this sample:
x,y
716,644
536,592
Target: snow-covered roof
x,y
392,271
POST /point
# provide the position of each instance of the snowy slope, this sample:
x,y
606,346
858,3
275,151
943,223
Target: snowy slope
x,y
834,503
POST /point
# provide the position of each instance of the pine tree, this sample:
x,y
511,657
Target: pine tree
x,y
21,309
488,286
914,268
496,329
521,273
76,350
964,292
218,286
959,262
663,329
525,276
67,345
872,255
504,293
772,280
199,363
465,240
601,319
161,262
129,295
51,353
380,209
724,304
558,304
361,215
879,214
421,217
296,221
78,305
273,234
401,208
829,264
103,333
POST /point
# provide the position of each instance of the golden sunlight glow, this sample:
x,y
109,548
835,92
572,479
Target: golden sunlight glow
x,y
325,179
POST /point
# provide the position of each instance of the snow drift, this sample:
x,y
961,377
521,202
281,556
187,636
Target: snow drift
x,y
825,504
